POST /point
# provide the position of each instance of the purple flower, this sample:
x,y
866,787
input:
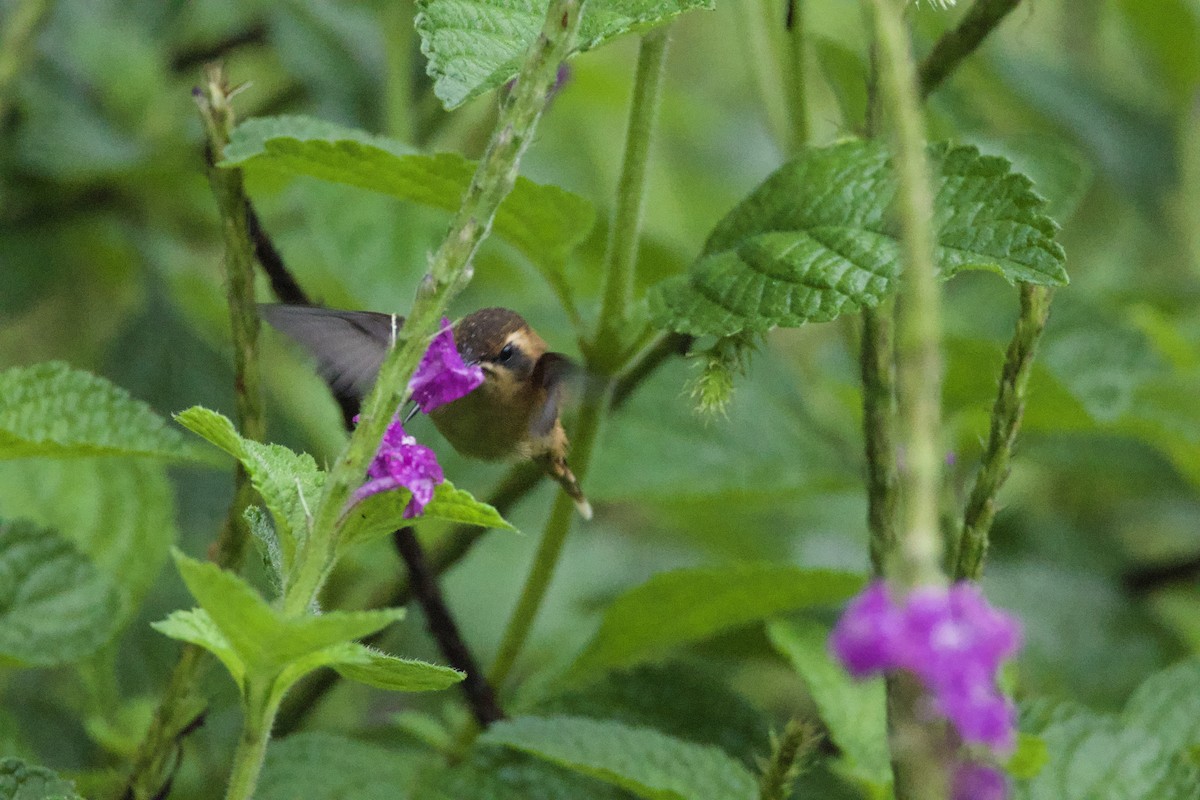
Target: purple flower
x,y
401,462
973,781
442,377
949,638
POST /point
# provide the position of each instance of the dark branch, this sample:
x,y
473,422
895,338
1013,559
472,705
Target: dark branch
x,y
955,45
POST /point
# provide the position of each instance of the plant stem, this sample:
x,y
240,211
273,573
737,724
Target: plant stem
x,y
920,755
450,270
621,256
400,41
178,707
877,362
1006,422
796,86
260,708
762,59
955,45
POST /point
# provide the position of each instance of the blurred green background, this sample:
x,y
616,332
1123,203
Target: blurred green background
x,y
110,259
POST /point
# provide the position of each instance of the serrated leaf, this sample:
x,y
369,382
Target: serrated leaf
x,y
289,483
55,606
381,513
1168,703
119,512
1092,756
477,45
492,773
688,605
544,222
816,240
324,766
21,781
855,712
52,409
395,674
264,638
650,764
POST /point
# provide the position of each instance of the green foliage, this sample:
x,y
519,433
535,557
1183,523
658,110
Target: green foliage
x,y
383,671
854,712
21,781
649,764
544,222
323,766
56,606
380,514
119,512
1168,703
815,240
475,46
688,605
54,410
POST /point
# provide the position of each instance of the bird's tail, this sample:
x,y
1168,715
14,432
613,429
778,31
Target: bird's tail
x,y
557,469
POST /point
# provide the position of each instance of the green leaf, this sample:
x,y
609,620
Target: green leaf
x,y
197,627
477,45
1029,757
55,606
679,698
119,512
855,712
817,240
324,766
21,781
688,605
52,409
1168,703
263,638
544,222
289,483
650,764
380,514
395,674
491,773
1093,756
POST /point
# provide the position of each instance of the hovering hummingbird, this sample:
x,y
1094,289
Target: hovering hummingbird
x,y
513,414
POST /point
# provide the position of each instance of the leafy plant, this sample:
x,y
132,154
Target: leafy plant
x,y
802,226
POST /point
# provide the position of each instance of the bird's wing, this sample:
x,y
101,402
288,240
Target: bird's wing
x,y
552,372
349,346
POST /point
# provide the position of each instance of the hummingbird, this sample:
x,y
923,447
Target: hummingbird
x,y
513,414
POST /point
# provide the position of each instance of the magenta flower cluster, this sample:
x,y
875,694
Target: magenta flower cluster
x,y
949,638
441,378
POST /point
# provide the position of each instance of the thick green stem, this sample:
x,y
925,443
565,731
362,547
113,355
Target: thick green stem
x,y
1006,422
796,75
449,272
878,366
625,234
955,45
260,707
920,752
918,321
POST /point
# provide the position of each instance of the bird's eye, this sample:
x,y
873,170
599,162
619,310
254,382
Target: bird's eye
x,y
505,353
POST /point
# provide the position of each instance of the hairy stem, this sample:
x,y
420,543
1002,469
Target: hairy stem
x,y
879,430
955,45
788,754
179,707
259,708
625,234
919,749
450,270
1006,422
